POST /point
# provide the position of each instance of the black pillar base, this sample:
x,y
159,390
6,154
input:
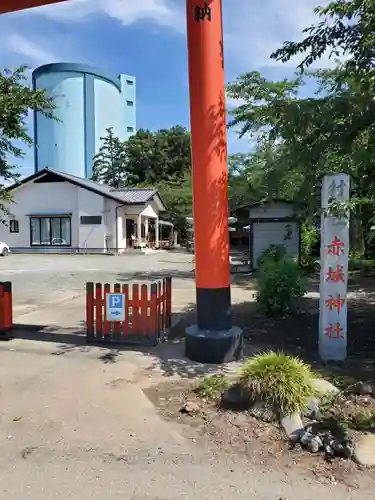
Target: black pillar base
x,y
7,335
215,347
213,309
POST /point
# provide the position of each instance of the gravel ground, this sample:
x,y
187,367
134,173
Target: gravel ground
x,y
41,279
73,411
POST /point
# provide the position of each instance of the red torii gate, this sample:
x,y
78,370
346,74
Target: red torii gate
x,y
213,339
13,5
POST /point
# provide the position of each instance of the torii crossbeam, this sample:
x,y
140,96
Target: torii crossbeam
x,y
14,5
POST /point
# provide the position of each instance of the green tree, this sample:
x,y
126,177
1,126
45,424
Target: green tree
x,y
158,156
139,154
17,100
178,196
109,164
346,28
302,139
239,192
332,131
270,112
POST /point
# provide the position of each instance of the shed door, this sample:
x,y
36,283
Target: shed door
x,y
275,233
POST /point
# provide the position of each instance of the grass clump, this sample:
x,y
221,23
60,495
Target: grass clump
x,y
362,421
342,382
278,379
211,386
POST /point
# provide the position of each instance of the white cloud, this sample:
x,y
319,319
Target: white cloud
x,y
253,29
17,48
32,51
257,27
170,13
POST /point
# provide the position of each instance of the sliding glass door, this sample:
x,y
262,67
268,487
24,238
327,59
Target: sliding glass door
x,y
50,231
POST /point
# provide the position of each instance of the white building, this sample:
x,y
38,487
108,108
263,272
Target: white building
x,y
58,212
274,223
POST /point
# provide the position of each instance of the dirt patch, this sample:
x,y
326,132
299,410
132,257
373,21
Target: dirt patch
x,y
238,433
357,410
263,443
298,334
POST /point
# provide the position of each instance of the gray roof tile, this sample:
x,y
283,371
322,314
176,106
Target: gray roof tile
x,y
135,195
129,196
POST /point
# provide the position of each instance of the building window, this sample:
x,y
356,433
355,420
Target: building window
x,y
89,220
130,129
130,82
14,226
130,103
50,231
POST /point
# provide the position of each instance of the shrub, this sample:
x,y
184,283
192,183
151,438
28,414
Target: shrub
x,y
211,386
365,267
280,380
274,253
280,285
309,240
310,264
309,259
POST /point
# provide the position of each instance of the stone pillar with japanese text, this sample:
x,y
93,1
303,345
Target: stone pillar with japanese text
x,y
334,256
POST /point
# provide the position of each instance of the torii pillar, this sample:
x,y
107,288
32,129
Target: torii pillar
x,y
213,339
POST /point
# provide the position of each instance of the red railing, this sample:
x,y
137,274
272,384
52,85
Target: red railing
x,y
6,308
147,311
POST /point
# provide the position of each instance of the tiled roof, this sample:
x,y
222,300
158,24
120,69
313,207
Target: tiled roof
x,y
131,196
135,195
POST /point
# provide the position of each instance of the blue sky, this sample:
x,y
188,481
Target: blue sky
x,y
146,38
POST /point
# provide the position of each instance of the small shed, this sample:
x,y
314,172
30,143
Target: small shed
x,y
273,223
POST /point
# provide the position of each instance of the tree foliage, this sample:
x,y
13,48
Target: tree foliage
x,y
161,159
145,158
165,154
109,164
301,139
17,100
178,196
346,28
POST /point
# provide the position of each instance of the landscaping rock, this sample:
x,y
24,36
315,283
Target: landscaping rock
x,y
321,436
315,444
342,449
312,410
263,411
189,407
311,442
305,437
293,426
324,387
364,451
236,398
363,389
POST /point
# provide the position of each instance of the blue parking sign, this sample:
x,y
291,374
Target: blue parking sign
x,y
116,301
115,307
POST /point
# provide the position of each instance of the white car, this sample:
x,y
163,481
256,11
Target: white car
x,y
4,249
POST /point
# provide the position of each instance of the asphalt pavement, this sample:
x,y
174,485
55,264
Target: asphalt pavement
x,y
74,425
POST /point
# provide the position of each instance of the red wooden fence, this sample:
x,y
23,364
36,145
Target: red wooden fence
x,y
148,312
6,308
